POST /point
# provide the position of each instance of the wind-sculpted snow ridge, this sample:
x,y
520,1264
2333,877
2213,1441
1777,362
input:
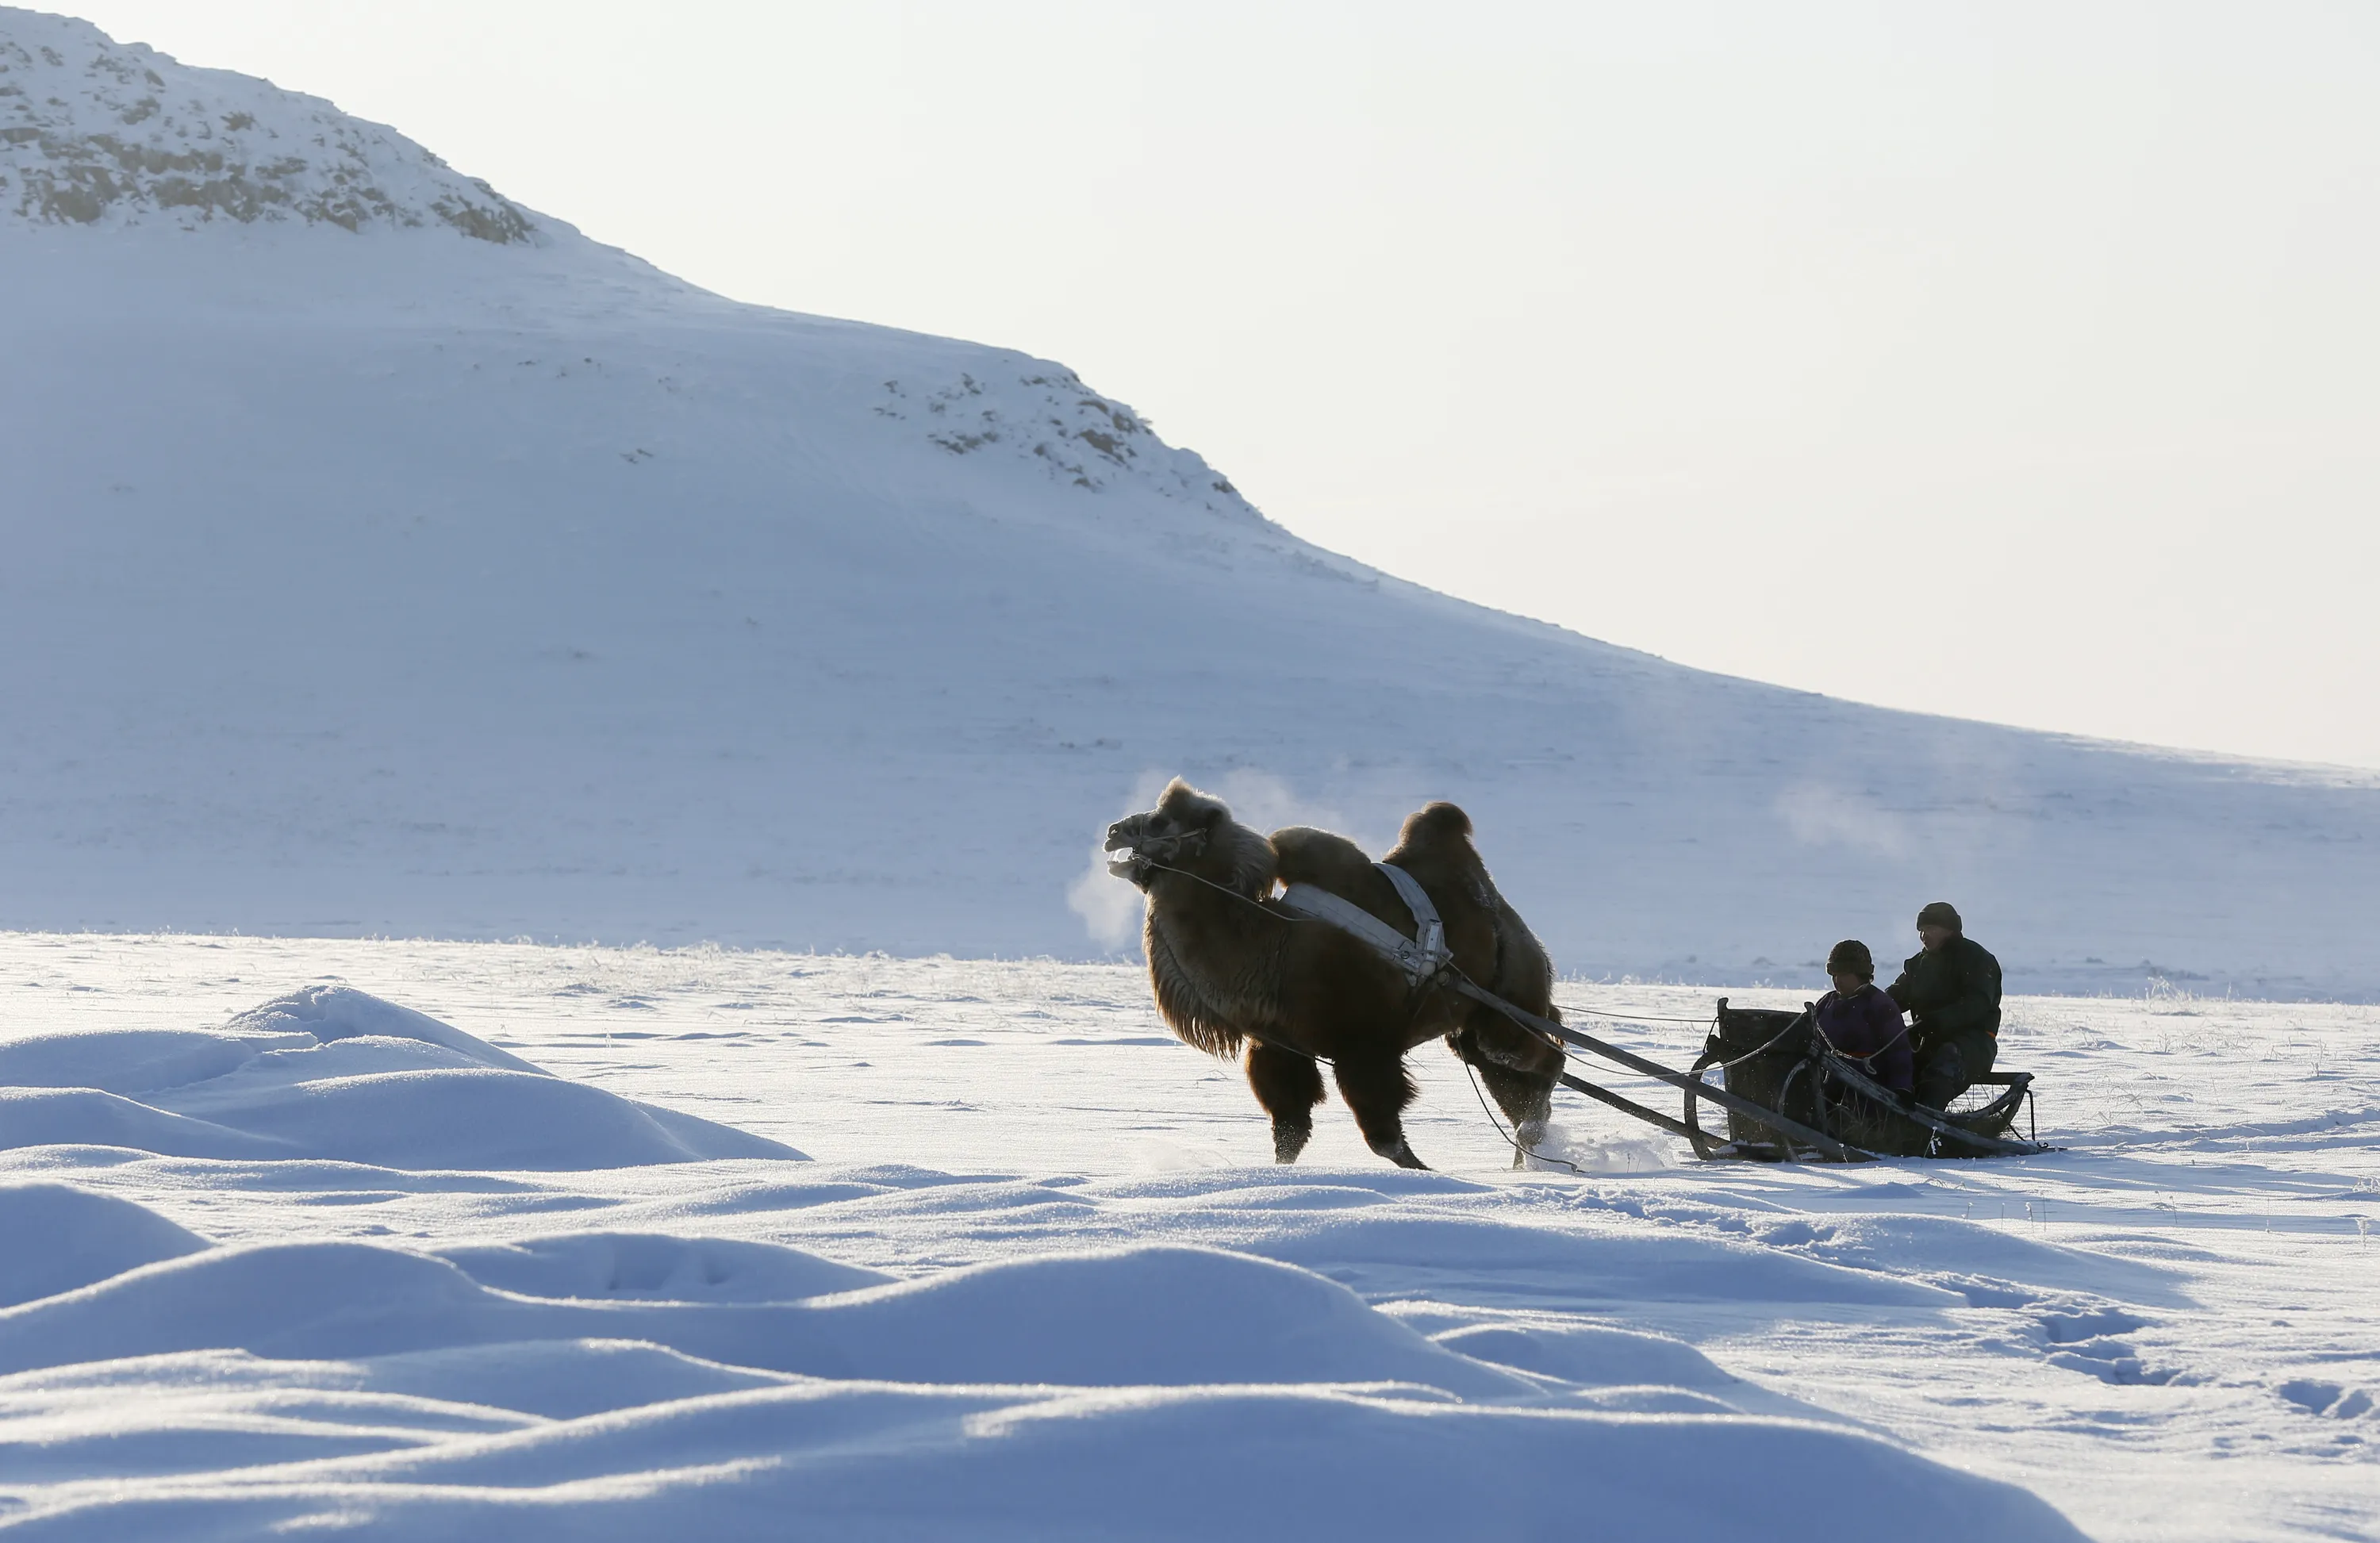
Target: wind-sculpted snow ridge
x,y
1042,1281
1151,1391
94,131
522,1381
332,1072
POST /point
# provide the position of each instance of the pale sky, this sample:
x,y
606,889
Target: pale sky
x,y
2013,362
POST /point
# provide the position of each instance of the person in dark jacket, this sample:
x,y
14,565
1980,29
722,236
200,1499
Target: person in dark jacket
x,y
1861,1022
1951,990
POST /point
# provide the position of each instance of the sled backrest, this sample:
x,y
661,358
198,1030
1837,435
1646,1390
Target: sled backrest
x,y
1760,1047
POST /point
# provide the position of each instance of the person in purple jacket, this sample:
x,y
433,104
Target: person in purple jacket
x,y
1862,1022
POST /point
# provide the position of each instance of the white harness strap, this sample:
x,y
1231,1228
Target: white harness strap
x,y
1420,957
1431,931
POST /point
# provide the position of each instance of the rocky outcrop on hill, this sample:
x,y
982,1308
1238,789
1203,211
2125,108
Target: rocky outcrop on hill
x,y
93,130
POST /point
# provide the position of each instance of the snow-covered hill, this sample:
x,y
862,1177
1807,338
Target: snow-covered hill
x,y
380,557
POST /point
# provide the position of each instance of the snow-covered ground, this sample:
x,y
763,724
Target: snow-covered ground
x,y
394,1279
453,575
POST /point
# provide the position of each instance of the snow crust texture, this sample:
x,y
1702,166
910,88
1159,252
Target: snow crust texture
x,y
1041,1284
520,1381
97,132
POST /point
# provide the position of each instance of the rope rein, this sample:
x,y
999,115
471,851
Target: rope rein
x,y
1633,1017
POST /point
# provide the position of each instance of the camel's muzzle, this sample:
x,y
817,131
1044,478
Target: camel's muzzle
x,y
1132,852
1127,842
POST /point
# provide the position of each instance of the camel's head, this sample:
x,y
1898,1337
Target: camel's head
x,y
1177,832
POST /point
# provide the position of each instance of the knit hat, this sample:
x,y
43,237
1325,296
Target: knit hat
x,y
1940,914
1851,957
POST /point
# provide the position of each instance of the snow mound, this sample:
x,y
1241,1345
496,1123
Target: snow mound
x,y
1366,1249
60,1237
1288,1464
134,1060
305,1300
1588,1354
1158,1392
86,1117
326,1014
556,1379
93,131
1170,1316
332,1073
648,1265
1352,1468
1167,1316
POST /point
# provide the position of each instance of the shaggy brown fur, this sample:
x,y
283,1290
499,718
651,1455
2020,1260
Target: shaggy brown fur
x,y
1519,1068
1229,965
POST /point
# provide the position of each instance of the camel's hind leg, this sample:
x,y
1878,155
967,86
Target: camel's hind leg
x,y
1289,1087
1519,1070
1377,1092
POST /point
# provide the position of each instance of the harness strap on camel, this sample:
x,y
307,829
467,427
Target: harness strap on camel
x,y
1429,932
1421,958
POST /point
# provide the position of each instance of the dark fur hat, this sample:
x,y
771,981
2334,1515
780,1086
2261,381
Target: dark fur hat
x,y
1940,914
1851,957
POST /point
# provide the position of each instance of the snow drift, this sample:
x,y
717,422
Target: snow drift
x,y
602,1383
1070,1303
1150,1392
385,558
332,1072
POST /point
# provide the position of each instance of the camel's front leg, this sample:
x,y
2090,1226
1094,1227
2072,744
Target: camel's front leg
x,y
1519,1070
1289,1086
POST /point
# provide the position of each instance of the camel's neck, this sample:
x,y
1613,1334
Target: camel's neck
x,y
1210,927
